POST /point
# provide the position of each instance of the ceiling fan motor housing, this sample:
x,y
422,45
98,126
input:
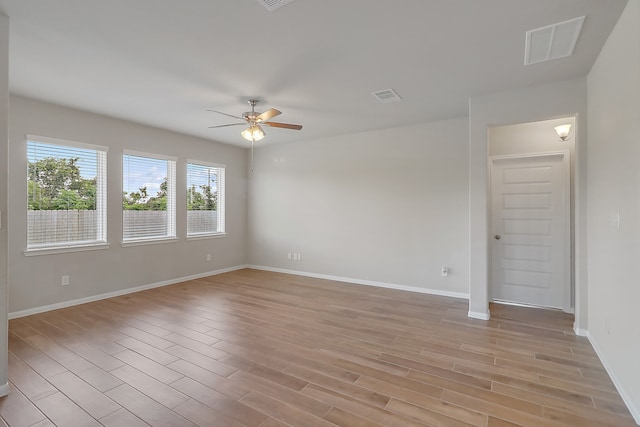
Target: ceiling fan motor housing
x,y
250,116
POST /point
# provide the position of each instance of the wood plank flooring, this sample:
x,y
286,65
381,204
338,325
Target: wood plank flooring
x,y
253,348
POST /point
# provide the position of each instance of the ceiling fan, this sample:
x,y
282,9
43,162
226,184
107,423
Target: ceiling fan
x,y
255,121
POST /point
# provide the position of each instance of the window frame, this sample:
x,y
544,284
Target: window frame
x,y
221,200
101,199
171,235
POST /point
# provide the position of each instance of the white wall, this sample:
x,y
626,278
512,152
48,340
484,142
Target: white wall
x,y
34,281
614,187
4,184
560,99
387,206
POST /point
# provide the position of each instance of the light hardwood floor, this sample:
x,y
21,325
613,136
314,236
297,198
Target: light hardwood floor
x,y
253,348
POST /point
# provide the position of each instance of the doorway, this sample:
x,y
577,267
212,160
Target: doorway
x,y
531,222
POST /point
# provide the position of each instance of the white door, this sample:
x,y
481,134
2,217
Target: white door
x,y
530,249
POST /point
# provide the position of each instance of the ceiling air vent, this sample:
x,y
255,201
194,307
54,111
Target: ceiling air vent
x,y
387,95
272,5
552,42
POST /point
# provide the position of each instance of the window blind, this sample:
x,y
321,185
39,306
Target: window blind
x,y
148,199
66,193
205,198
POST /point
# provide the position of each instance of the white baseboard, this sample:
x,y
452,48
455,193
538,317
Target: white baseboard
x,y
364,282
580,332
479,315
635,411
4,389
65,304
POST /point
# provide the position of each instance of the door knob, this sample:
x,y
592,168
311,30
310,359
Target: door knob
x,y
498,237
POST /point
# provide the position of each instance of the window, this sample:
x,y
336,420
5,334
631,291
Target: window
x,y
148,197
205,199
66,188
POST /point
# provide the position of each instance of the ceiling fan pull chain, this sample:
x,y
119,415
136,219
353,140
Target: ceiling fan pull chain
x,y
252,141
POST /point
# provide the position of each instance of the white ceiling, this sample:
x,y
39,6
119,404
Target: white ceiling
x,y
164,62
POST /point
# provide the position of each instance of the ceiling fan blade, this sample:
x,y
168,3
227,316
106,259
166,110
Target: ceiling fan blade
x,y
282,125
224,126
267,115
225,114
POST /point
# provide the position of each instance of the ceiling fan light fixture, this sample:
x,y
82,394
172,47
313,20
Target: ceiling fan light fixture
x,y
253,133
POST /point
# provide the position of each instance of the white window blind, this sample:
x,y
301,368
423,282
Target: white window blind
x,y
205,199
149,197
66,188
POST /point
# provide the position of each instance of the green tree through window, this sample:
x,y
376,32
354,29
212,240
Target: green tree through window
x,y
56,184
140,200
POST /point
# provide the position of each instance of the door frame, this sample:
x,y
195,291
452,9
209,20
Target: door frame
x,y
568,302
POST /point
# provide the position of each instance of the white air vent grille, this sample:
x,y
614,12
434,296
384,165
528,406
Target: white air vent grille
x,y
552,42
272,5
387,95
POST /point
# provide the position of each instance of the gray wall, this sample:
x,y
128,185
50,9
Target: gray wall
x,y
387,206
35,280
614,188
4,184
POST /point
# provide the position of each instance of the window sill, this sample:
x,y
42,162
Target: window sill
x,y
65,249
206,236
146,242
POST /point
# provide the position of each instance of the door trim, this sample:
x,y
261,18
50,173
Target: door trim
x,y
564,155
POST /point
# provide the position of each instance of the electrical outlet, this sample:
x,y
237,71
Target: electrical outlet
x,y
288,255
208,257
445,271
64,281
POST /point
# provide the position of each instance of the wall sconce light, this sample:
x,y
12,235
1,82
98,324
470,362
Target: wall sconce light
x,y
563,131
